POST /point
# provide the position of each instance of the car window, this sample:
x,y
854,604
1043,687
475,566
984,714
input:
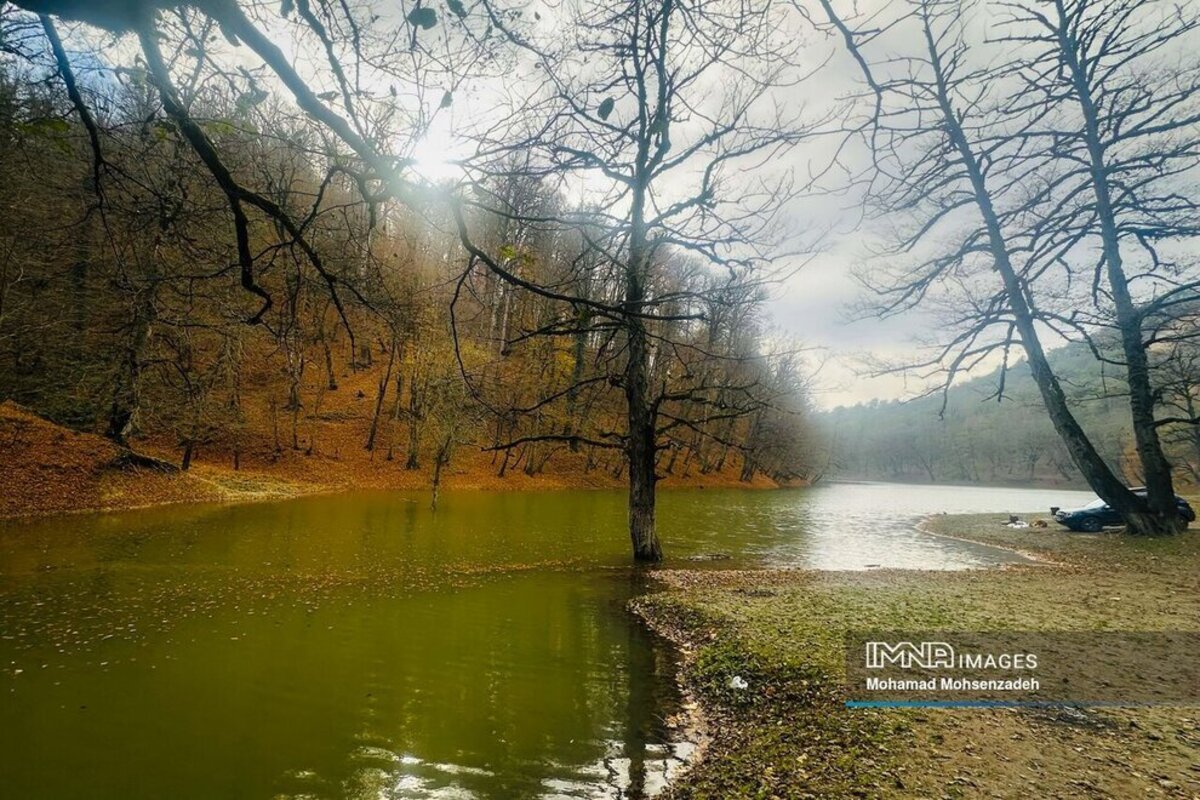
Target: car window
x,y
1095,504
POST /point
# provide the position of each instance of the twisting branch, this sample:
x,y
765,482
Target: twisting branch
x,y
235,193
67,74
147,37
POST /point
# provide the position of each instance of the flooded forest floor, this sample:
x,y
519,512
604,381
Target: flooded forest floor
x,y
47,468
787,734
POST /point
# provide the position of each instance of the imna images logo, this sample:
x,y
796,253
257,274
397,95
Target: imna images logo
x,y
906,655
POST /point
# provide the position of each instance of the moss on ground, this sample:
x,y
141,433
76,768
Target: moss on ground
x,y
789,735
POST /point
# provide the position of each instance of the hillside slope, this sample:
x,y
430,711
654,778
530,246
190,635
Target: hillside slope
x,y
48,468
45,468
982,440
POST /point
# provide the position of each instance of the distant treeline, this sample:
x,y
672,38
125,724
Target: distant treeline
x,y
980,439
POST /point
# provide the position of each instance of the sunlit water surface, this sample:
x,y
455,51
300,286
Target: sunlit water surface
x,y
362,646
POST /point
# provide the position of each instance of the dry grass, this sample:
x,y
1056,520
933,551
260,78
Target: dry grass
x,y
781,625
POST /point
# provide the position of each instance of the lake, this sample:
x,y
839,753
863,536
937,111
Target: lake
x,y
364,646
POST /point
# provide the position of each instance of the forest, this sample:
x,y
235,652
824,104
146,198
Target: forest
x,y
335,323
363,363
209,242
968,436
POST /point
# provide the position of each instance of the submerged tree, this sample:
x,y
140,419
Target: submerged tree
x,y
667,117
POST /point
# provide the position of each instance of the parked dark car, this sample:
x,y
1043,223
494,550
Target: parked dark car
x,y
1097,515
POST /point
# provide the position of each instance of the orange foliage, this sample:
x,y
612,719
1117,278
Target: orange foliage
x,y
47,468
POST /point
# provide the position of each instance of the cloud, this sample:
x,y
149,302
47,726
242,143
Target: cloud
x,y
815,306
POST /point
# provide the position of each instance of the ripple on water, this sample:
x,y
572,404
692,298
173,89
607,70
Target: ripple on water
x,y
486,649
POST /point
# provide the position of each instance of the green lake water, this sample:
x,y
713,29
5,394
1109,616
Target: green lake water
x,y
364,646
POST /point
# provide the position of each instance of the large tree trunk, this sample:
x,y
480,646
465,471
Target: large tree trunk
x,y
641,446
642,484
126,395
1161,516
1095,471
747,474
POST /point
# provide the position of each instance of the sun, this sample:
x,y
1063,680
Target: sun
x,y
438,154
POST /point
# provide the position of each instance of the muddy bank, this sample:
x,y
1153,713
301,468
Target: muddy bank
x,y
46,468
763,655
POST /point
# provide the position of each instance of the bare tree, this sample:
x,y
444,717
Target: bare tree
x,y
1111,95
670,113
1175,370
959,155
658,110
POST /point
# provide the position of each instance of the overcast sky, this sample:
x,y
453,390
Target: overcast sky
x,y
813,307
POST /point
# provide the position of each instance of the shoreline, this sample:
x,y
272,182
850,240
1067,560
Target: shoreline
x,y
1016,483
781,632
288,490
1030,556
695,729
47,470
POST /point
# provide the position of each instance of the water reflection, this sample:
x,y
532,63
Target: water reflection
x,y
362,646
490,688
